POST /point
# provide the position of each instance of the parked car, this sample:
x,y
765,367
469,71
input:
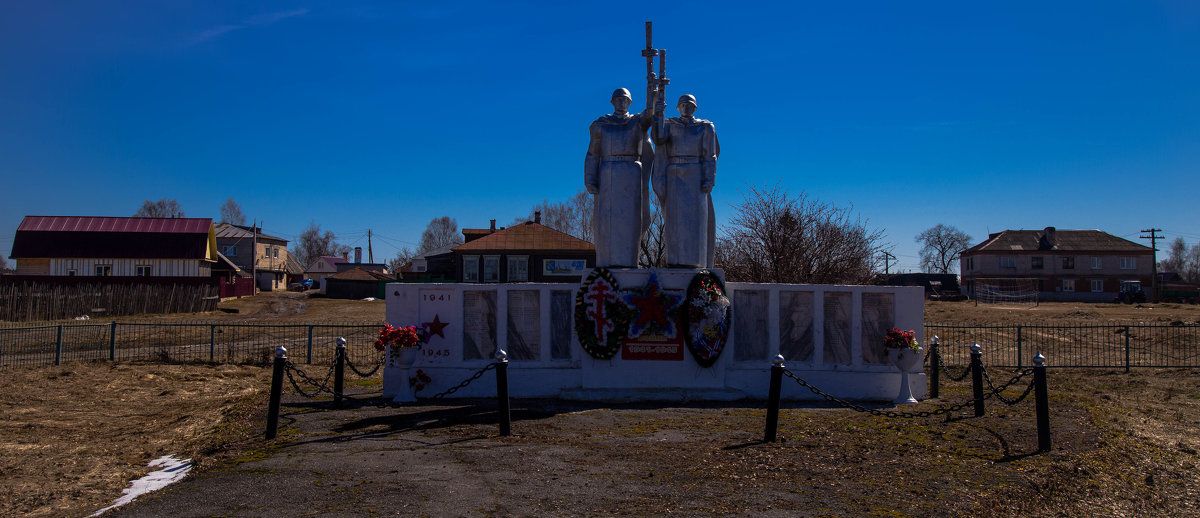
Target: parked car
x,y
310,284
295,286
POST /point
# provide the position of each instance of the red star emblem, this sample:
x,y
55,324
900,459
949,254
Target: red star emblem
x,y
436,327
650,309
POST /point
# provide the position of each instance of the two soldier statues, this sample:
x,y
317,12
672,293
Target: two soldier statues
x,y
620,165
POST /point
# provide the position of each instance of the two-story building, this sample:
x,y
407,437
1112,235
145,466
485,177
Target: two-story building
x,y
1063,265
264,255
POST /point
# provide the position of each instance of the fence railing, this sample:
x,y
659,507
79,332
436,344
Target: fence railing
x,y
182,342
1099,346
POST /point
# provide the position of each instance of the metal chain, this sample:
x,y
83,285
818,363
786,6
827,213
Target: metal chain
x,y
321,387
366,374
942,365
464,383
1010,383
885,413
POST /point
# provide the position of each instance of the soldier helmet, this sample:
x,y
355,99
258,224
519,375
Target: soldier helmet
x,y
686,98
621,92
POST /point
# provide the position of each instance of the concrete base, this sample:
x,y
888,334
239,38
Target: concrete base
x,y
554,365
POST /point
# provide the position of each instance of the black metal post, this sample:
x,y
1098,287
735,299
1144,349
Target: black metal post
x,y
502,392
1019,358
977,378
112,342
276,392
1126,349
339,370
58,347
1042,401
310,332
212,342
773,399
935,366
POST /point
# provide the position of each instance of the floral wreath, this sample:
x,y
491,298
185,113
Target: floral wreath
x,y
707,318
601,320
401,337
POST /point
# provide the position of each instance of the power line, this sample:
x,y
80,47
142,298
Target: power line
x,y
1153,237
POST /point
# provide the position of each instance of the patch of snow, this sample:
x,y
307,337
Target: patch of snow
x,y
84,317
369,299
173,470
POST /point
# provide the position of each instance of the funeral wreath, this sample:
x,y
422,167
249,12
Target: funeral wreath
x,y
897,339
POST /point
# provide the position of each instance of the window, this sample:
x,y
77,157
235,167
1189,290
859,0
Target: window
x,y
103,270
1068,263
1097,263
1097,285
1068,285
229,251
141,270
1036,263
1008,262
970,263
276,252
470,268
1128,263
518,268
70,273
491,268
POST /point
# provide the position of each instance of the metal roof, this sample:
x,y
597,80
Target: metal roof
x,y
1050,239
228,230
115,224
526,236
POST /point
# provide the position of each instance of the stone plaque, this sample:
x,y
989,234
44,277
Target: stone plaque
x,y
561,310
878,315
796,325
479,325
837,326
750,333
524,325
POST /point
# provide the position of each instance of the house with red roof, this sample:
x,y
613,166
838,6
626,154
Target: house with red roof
x,y
86,246
528,252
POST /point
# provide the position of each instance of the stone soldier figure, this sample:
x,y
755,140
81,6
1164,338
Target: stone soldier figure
x,y
685,169
617,171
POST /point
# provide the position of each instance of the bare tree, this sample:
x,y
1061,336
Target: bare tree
x,y
231,212
163,208
441,232
940,247
1182,260
403,257
582,207
313,244
652,250
775,237
3,263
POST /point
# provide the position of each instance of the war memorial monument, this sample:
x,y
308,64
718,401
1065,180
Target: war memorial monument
x,y
673,333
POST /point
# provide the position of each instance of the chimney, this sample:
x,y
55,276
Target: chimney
x,y
493,225
537,216
345,256
1049,240
357,254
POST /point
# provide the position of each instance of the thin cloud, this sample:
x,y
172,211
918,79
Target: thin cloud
x,y
258,20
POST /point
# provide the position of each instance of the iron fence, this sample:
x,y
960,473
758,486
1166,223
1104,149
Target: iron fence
x,y
1086,346
184,342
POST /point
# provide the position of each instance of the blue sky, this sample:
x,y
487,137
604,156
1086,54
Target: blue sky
x,y
382,116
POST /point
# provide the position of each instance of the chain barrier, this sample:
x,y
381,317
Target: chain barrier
x,y
350,363
478,374
942,365
1015,379
322,386
884,413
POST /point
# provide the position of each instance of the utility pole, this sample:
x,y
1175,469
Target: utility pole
x,y
370,254
1153,237
886,258
254,256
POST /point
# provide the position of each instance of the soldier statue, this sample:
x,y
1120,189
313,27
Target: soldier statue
x,y
685,169
617,171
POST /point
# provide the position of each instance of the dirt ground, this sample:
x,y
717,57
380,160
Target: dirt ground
x,y
1058,313
73,437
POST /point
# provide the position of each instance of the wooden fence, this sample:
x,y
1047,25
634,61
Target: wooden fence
x,y
24,301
